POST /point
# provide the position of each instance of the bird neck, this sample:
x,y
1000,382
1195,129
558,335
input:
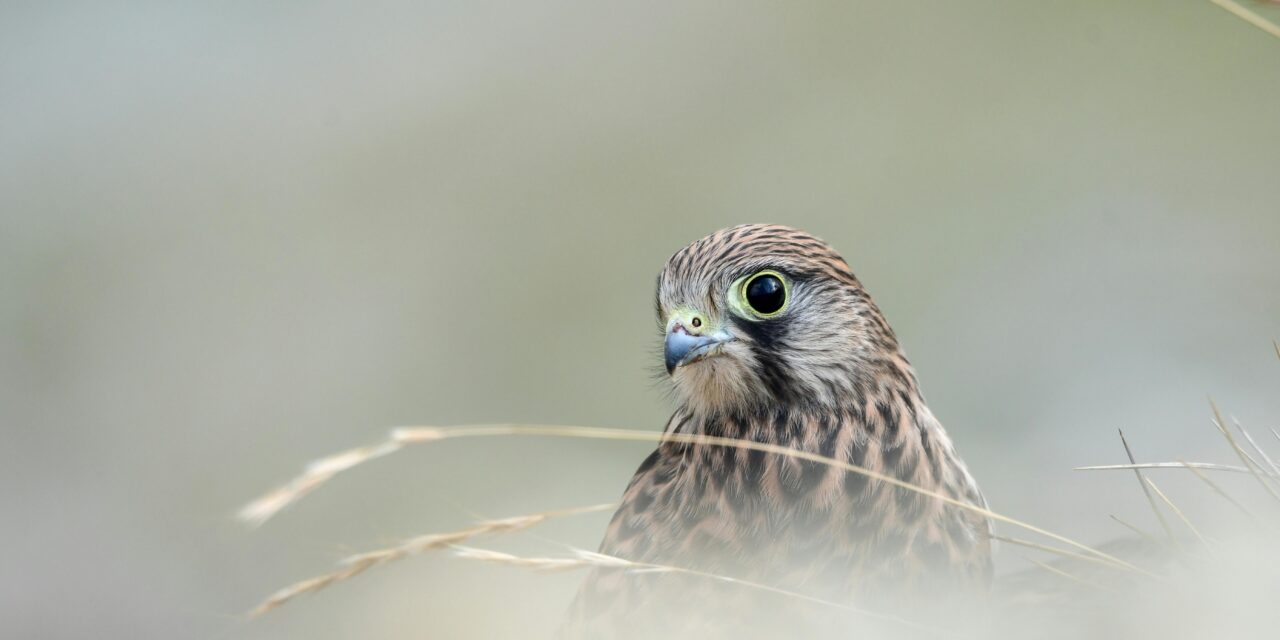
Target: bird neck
x,y
882,395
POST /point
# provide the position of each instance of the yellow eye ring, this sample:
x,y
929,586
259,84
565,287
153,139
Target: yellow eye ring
x,y
761,295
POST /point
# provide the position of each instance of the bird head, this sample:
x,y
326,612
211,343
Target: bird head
x,y
764,315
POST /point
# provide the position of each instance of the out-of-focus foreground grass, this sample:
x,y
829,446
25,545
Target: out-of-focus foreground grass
x,y
234,237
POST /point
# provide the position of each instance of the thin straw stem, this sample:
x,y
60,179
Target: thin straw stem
x,y
1048,549
1222,492
1235,446
584,559
1142,482
1275,471
1252,18
1209,466
275,501
1066,574
353,566
427,434
1143,534
1176,511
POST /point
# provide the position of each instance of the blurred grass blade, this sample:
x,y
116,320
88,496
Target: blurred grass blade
x,y
1235,446
1048,549
1142,534
1275,471
315,474
311,478
353,566
1176,511
1211,466
1249,16
583,559
1164,524
1066,574
1220,491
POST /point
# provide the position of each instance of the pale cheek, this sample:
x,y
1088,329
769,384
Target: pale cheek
x,y
716,383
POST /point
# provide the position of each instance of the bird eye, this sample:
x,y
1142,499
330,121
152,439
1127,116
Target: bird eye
x,y
765,293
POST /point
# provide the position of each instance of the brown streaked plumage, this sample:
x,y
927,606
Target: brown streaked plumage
x,y
770,337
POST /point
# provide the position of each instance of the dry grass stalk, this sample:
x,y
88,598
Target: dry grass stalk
x,y
1141,534
537,564
584,559
1176,511
359,563
1235,446
316,474
1275,471
1068,575
1048,549
1222,492
1254,466
1254,19
1210,466
280,498
309,586
1164,524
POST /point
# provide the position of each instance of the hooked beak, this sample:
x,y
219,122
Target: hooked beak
x,y
683,348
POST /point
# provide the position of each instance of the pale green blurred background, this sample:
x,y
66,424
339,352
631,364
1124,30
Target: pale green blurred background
x,y
238,236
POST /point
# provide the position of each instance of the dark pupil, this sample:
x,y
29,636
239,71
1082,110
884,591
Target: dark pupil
x,y
765,294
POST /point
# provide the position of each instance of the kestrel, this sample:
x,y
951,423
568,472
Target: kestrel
x,y
769,337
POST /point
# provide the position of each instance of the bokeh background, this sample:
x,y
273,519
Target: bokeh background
x,y
238,236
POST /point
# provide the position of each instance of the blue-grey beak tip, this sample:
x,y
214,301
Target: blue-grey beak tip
x,y
682,348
